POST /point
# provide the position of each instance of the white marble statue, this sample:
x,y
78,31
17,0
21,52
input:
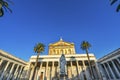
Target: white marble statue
x,y
62,65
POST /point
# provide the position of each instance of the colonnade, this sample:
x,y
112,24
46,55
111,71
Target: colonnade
x,y
10,70
110,70
77,69
11,67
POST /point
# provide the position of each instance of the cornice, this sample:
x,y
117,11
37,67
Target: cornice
x,y
111,54
11,57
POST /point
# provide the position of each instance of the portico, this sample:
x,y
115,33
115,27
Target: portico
x,y
11,67
49,66
110,65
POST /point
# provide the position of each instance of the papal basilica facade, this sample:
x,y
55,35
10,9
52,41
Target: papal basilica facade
x,y
49,65
48,68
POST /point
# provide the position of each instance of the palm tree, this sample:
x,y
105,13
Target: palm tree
x,y
115,1
85,45
4,5
39,48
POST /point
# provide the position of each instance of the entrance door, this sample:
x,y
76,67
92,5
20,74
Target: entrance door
x,y
41,76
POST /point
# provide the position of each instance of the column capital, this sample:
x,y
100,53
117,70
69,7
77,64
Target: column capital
x,y
118,60
1,61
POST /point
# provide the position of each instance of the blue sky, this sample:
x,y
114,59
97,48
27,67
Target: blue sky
x,y
46,21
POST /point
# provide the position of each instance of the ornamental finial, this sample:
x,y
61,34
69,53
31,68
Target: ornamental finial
x,y
61,39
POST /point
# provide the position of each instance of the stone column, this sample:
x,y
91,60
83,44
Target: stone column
x,y
4,70
52,72
19,74
106,71
1,64
36,73
78,70
58,69
85,72
15,73
8,78
94,71
98,71
81,75
111,71
46,70
40,68
115,68
31,72
71,69
103,76
85,69
117,61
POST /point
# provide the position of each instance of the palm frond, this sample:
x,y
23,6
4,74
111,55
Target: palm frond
x,y
4,6
10,1
0,5
113,1
118,8
39,48
85,45
1,12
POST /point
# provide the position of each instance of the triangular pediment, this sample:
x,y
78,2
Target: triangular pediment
x,y
59,43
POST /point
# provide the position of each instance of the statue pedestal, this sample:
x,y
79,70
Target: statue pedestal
x,y
63,77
